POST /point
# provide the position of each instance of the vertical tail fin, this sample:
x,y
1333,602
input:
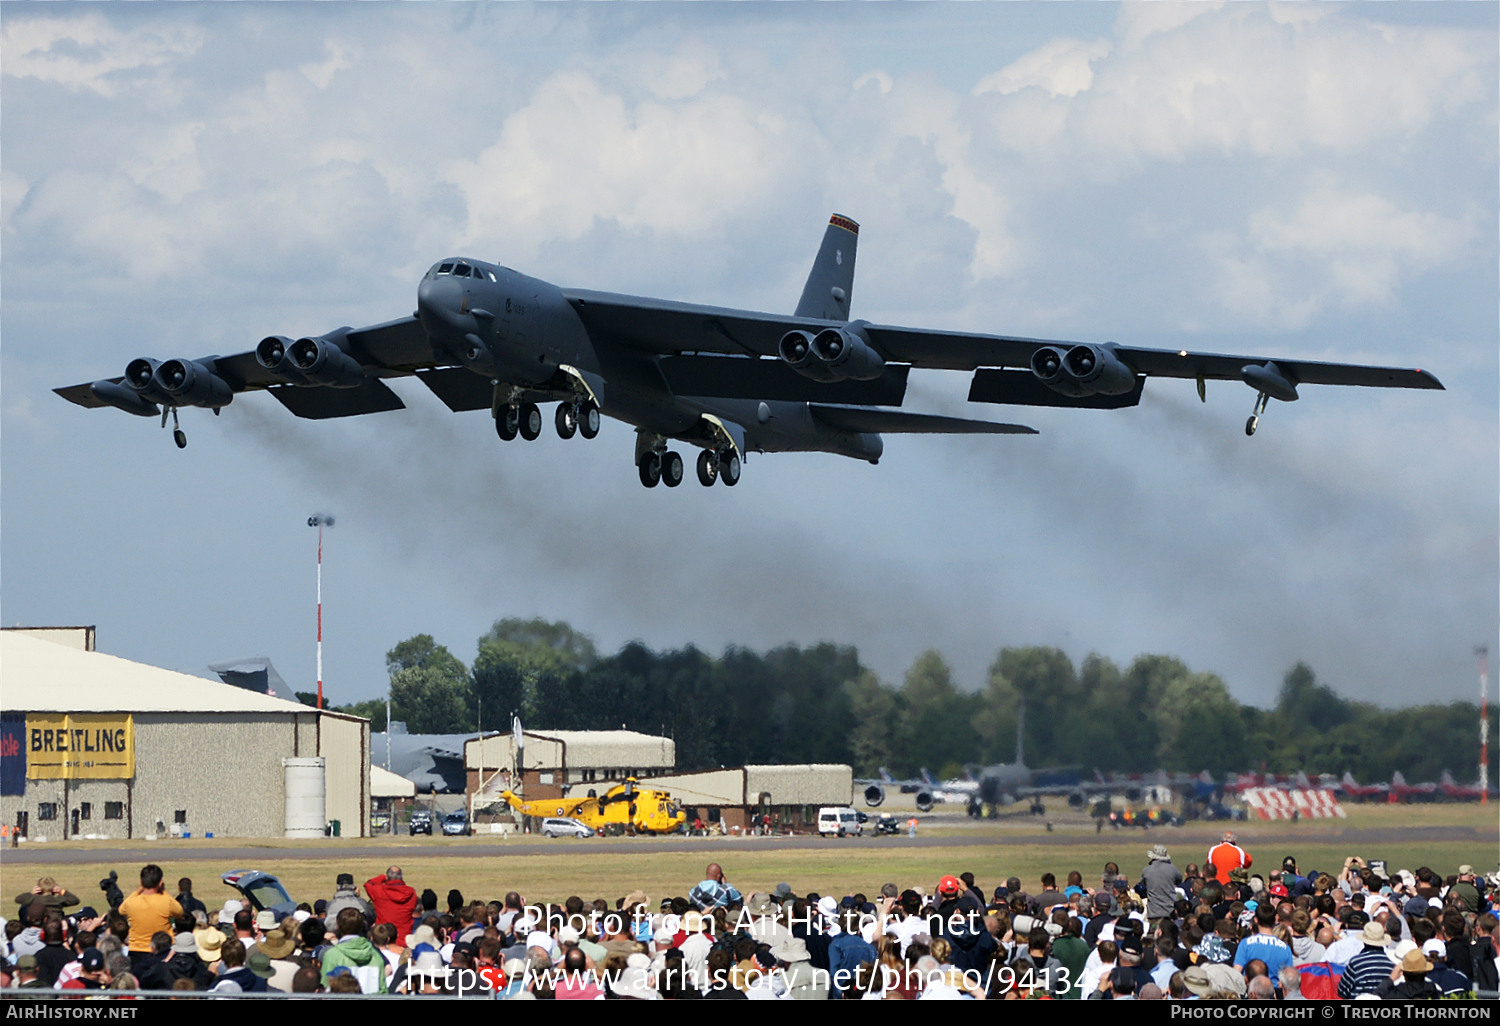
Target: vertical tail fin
x,y
830,285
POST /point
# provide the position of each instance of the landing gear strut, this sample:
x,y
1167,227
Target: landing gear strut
x,y
1261,398
178,435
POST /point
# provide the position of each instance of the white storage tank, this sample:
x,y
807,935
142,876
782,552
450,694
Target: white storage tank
x,y
305,797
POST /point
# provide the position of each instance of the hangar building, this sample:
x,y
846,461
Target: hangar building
x,y
790,795
554,759
92,745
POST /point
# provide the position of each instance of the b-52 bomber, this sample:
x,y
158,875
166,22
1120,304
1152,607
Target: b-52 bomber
x,y
725,381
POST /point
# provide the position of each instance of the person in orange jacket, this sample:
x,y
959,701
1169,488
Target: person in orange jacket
x,y
1227,855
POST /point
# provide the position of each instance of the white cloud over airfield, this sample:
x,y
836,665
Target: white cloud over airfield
x,y
1304,180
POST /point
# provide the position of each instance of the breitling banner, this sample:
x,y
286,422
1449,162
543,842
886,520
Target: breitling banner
x,y
86,746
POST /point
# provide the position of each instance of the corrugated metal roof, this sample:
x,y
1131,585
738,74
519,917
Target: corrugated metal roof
x,y
40,676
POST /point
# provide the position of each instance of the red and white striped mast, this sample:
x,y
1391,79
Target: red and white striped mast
x,y
1483,652
319,520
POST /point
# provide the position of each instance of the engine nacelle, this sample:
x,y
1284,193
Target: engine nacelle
x,y
189,383
845,352
796,351
323,361
275,354
924,800
874,796
1083,370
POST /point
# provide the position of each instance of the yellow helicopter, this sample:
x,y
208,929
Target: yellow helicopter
x,y
624,805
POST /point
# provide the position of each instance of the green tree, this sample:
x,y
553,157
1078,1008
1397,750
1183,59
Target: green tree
x,y
431,702
872,713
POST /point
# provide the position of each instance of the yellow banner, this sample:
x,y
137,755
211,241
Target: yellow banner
x,y
81,746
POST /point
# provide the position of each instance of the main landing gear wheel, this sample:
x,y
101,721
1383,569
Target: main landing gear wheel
x,y
508,423
567,421
650,469
588,420
729,468
671,469
531,422
708,469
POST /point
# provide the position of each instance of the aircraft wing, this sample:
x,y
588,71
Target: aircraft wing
x,y
667,327
391,349
855,418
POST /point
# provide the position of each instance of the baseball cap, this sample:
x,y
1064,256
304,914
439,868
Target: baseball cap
x,y
950,885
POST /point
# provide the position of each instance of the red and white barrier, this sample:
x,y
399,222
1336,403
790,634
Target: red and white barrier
x,y
1298,803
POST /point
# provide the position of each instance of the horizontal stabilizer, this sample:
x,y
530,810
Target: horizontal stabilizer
x,y
899,422
1023,388
460,389
325,403
730,377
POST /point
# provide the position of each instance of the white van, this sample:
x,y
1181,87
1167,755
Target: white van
x,y
839,821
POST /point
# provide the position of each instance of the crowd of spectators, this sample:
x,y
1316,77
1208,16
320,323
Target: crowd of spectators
x,y
1219,930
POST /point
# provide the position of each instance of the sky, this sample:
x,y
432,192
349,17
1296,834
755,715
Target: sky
x,y
1312,181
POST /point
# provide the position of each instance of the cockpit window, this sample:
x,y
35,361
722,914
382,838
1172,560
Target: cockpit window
x,y
460,270
445,269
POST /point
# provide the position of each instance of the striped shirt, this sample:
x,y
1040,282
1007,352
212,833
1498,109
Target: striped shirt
x,y
1365,972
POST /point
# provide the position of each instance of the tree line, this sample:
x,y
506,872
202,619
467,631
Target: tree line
x,y
819,704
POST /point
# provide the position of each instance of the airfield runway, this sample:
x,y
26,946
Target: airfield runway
x,y
1188,840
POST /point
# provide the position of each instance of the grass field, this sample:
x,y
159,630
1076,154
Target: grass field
x,y
612,867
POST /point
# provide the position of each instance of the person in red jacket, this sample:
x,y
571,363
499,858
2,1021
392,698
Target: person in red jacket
x,y
1225,856
393,899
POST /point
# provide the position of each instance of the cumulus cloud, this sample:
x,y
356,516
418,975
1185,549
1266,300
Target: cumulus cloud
x,y
85,52
1298,180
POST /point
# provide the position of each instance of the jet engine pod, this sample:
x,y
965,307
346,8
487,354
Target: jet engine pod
x,y
1097,371
274,354
1077,799
141,374
1047,365
924,800
325,363
796,351
874,796
191,384
847,354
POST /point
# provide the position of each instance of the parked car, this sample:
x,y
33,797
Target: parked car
x,y
421,823
261,890
556,827
455,824
886,824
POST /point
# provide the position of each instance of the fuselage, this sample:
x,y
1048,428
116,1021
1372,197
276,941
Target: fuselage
x,y
520,331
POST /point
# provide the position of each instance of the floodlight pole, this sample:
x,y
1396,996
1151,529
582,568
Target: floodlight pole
x,y
318,520
1483,652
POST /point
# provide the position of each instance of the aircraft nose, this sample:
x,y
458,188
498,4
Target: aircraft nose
x,y
440,307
